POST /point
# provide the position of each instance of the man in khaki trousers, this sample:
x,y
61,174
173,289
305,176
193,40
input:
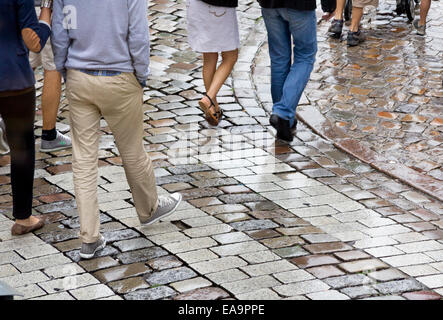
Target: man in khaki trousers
x,y
104,55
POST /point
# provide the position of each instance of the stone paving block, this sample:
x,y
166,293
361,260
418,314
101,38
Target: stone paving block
x,y
290,252
190,245
293,276
132,244
55,296
41,262
68,283
313,211
141,255
384,251
207,230
230,275
8,270
409,237
325,271
253,225
165,262
299,288
348,281
399,286
351,255
128,285
268,268
217,265
165,238
63,270
259,256
107,251
362,265
156,293
121,272
358,292
318,238
9,257
327,247
30,291
197,256
328,295
238,248
433,281
191,284
36,251
414,247
314,260
374,242
68,245
158,228
422,295
169,275
262,294
92,292
210,293
98,263
231,237
420,270
251,284
436,255
407,259
387,275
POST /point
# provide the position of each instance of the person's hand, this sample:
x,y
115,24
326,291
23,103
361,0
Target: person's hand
x,y
31,40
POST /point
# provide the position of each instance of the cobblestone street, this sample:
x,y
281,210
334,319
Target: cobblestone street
x,y
351,209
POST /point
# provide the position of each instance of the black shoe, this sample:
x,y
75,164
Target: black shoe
x,y
355,38
336,28
282,126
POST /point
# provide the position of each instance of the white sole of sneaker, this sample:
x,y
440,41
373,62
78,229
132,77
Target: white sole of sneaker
x,y
89,256
55,149
167,214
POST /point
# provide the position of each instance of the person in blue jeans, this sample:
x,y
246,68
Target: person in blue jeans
x,y
286,19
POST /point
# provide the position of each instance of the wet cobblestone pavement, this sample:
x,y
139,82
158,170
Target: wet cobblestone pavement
x,y
260,219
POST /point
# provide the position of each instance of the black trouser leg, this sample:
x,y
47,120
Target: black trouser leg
x,y
18,113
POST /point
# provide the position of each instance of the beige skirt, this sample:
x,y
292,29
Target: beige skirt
x,y
364,3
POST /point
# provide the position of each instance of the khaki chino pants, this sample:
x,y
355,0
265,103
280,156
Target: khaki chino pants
x,y
119,100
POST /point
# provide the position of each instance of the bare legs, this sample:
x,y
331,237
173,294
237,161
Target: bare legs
x,y
52,87
339,9
214,77
424,8
357,13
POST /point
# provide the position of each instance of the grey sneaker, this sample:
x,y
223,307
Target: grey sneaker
x,y
166,206
4,147
354,38
336,28
89,249
421,30
59,143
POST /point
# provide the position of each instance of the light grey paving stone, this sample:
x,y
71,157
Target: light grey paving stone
x,y
262,294
68,283
433,282
300,288
389,297
436,255
268,268
191,284
112,298
225,276
207,231
56,296
197,256
348,281
92,292
37,251
293,276
217,265
422,246
260,256
238,248
407,259
24,279
420,270
374,242
399,286
190,245
8,270
30,291
384,251
251,284
313,211
156,293
358,292
42,262
201,221
328,295
386,230
409,237
9,257
170,237
64,270
157,228
20,242
231,237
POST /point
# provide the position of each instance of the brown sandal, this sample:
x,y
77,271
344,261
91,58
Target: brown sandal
x,y
213,113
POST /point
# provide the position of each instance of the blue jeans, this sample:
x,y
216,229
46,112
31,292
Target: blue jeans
x,y
289,79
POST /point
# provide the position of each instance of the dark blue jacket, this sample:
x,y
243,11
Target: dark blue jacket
x,y
15,71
